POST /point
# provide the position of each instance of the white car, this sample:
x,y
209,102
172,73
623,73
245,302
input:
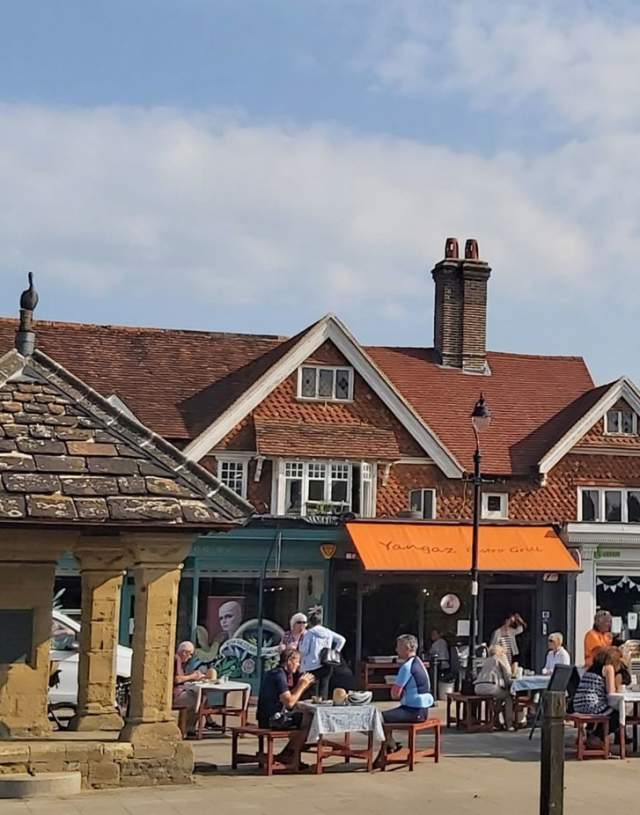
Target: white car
x,y
64,651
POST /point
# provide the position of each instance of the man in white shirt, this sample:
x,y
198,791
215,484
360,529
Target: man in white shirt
x,y
317,640
556,655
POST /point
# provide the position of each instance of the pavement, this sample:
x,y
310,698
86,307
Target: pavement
x,y
481,773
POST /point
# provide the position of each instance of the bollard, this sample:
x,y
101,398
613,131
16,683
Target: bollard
x,y
552,753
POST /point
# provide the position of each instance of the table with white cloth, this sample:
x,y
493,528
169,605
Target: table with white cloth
x,y
621,702
329,721
234,701
530,684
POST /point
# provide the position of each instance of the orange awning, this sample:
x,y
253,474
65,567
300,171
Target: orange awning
x,y
401,547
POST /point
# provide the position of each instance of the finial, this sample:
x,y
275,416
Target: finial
x,y
25,335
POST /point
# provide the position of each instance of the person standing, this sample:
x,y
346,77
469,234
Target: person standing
x,y
314,647
293,637
439,648
598,637
507,634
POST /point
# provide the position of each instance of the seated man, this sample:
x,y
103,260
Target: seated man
x,y
411,688
282,688
440,649
185,696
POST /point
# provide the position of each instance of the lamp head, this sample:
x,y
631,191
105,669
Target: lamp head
x,y
481,415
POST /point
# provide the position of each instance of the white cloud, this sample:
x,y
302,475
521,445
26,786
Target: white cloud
x,y
115,201
576,61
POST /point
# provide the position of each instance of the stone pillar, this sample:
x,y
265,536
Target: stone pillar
x,y
101,569
27,570
150,726
585,599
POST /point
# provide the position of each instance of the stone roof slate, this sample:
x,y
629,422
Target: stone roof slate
x,y
67,455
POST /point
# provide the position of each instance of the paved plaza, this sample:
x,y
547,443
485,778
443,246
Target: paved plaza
x,y
480,773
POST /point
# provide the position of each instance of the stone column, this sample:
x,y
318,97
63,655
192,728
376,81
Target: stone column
x,y
27,570
585,599
102,563
150,726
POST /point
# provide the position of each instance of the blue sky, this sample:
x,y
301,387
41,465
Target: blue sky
x,y
251,165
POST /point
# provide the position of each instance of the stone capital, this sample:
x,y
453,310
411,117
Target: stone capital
x,y
157,550
106,553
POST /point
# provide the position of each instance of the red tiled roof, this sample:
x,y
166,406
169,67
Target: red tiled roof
x,y
534,400
279,437
177,382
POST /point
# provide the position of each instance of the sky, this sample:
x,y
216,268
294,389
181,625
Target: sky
x,y
249,166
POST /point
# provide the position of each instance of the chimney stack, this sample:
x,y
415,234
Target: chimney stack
x,y
460,314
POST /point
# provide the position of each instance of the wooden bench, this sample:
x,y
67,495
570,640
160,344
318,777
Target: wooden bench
x,y
263,758
409,755
224,711
581,720
472,713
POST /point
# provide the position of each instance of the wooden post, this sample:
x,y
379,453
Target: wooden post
x,y
552,753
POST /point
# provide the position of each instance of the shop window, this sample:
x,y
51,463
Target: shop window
x,y
495,505
621,423
326,488
620,595
609,505
424,502
233,474
325,383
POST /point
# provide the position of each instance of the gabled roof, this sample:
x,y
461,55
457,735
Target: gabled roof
x,y
525,394
586,413
329,328
69,456
190,384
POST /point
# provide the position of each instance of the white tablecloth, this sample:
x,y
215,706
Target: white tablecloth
x,y
227,688
530,683
619,701
329,719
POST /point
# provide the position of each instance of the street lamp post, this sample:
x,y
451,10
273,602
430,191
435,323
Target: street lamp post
x,y
480,420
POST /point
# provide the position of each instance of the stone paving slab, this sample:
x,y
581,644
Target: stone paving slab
x,y
479,774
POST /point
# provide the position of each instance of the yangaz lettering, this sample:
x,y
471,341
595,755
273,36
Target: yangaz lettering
x,y
390,546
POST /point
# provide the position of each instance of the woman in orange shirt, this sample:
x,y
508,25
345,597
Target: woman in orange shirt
x,y
598,637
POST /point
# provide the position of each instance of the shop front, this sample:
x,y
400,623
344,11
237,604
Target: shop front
x,y
414,577
286,562
610,577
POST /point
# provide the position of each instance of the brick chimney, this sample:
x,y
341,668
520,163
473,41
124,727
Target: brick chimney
x,y
460,314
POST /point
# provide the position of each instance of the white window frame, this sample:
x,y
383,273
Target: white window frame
x,y
433,502
241,462
624,513
634,423
316,507
333,397
500,514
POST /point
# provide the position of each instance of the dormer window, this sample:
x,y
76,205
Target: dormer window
x,y
325,383
621,423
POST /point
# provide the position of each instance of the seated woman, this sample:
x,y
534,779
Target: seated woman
x,y
185,696
282,688
556,655
596,683
494,679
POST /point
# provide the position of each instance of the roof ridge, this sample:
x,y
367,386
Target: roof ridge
x,y
513,354
142,328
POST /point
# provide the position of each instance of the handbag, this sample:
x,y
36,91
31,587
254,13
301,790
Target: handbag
x,y
284,720
329,656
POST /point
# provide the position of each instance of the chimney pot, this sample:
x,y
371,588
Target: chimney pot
x,y
471,251
451,248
